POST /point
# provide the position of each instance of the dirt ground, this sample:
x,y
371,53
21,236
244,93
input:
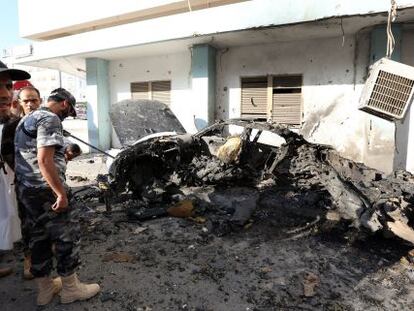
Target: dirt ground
x,y
279,261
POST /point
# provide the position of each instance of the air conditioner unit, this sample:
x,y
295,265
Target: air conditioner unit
x,y
388,91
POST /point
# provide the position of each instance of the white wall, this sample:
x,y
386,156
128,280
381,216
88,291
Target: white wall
x,y
405,129
332,80
329,100
333,76
67,13
382,142
174,67
195,24
35,17
77,15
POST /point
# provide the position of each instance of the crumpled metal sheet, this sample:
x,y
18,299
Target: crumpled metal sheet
x,y
134,119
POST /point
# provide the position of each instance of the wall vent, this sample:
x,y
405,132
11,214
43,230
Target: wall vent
x,y
388,91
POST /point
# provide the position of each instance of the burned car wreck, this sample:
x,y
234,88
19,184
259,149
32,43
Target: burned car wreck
x,y
239,171
243,215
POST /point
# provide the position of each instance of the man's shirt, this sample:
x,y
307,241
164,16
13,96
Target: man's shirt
x,y
7,141
41,128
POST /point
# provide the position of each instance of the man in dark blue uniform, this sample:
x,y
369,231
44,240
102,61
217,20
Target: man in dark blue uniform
x,y
50,217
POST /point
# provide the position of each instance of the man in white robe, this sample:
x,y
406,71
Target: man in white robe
x,y
9,220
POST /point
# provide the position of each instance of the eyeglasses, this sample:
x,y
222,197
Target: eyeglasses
x,y
30,100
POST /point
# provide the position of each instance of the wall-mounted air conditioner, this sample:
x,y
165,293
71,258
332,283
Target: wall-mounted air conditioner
x,y
388,91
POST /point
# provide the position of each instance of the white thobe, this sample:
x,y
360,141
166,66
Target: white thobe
x,y
9,218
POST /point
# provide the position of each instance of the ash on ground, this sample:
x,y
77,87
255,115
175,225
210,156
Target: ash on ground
x,y
241,227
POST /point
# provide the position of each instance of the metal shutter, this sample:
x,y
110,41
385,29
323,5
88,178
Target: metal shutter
x,y
161,90
140,90
287,100
254,97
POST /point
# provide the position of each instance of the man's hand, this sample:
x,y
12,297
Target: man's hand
x,y
61,204
45,158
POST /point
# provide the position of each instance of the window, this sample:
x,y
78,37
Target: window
x,y
161,91
254,97
155,90
287,100
278,98
140,90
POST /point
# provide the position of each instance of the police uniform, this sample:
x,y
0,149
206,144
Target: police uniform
x,y
43,128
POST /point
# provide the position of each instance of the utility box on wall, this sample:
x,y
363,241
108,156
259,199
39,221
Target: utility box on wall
x,y
388,91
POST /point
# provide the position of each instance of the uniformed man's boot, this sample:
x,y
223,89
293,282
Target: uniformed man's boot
x,y
48,287
27,264
73,289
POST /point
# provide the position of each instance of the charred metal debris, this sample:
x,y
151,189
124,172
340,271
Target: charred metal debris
x,y
233,182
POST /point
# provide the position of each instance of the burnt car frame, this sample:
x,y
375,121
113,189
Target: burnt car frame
x,y
294,175
162,155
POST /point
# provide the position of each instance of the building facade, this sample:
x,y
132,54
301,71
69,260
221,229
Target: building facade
x,y
298,62
46,80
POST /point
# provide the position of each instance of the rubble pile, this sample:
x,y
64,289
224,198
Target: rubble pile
x,y
237,182
217,221
254,222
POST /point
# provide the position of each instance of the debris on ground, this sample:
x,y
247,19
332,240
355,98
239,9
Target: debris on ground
x,y
235,174
182,209
118,257
286,226
310,281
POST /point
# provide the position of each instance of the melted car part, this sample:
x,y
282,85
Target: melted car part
x,y
285,174
134,119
